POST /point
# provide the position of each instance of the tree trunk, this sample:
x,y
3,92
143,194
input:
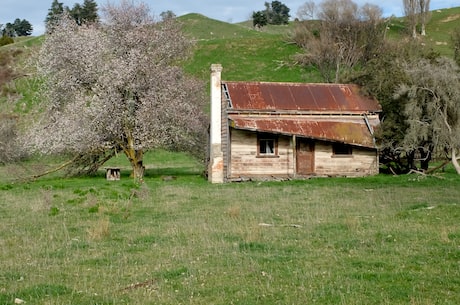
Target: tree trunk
x,y
136,160
425,159
411,160
135,157
138,171
423,31
455,161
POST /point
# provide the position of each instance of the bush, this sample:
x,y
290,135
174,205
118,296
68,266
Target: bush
x,y
10,149
6,40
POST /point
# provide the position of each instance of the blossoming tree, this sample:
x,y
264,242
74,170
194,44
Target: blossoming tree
x,y
116,86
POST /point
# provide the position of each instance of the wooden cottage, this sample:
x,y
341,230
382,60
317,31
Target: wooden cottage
x,y
262,130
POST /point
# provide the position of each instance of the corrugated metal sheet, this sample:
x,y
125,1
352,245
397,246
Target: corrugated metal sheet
x,y
300,97
348,129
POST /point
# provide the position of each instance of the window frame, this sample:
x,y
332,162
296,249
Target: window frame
x,y
342,150
267,137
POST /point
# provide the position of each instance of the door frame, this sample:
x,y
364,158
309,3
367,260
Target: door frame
x,y
308,169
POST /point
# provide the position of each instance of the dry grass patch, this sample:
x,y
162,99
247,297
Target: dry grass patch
x,y
451,18
234,212
99,230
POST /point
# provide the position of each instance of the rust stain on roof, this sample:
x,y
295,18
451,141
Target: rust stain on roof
x,y
300,97
330,112
350,130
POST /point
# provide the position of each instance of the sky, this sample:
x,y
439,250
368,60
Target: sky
x,y
231,11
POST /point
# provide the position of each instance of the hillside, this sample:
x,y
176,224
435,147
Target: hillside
x,y
439,29
245,53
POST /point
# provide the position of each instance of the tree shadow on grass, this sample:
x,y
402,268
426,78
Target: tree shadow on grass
x,y
173,172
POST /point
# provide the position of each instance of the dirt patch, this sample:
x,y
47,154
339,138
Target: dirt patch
x,y
451,18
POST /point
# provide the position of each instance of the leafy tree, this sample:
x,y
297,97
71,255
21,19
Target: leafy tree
x,y
22,27
432,108
9,30
167,15
54,13
17,28
380,78
275,13
115,87
259,19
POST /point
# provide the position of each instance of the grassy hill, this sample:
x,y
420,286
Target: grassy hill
x,y
249,54
439,29
246,54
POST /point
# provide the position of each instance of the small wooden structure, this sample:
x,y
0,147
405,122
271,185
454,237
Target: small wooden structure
x,y
112,173
262,130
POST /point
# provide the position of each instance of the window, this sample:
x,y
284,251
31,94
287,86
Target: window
x,y
267,146
340,149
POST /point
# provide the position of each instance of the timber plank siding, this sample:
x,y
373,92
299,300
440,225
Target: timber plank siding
x,y
362,162
245,161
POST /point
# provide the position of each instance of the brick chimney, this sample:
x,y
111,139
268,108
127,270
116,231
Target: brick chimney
x,y
216,162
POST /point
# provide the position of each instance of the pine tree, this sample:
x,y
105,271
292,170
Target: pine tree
x,y
54,13
89,11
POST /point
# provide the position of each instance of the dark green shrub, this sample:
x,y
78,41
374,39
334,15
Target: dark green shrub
x,y
6,40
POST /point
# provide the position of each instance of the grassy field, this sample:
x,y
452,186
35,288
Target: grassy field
x,y
375,240
177,239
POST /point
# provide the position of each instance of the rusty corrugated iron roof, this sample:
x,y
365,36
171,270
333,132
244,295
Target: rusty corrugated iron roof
x,y
311,97
347,129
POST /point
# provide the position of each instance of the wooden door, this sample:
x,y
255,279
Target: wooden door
x,y
305,156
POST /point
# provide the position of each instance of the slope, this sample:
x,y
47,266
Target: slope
x,y
245,53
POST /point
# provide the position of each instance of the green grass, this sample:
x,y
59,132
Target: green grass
x,y
375,240
258,59
438,30
245,54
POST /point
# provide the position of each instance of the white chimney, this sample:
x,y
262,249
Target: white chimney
x,y
216,162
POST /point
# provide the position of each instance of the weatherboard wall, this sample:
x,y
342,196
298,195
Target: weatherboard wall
x,y
361,162
244,163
